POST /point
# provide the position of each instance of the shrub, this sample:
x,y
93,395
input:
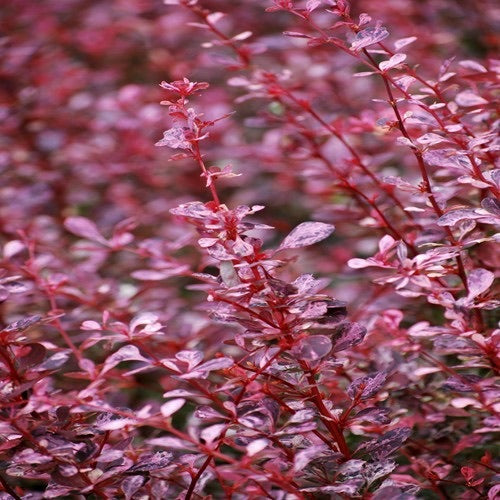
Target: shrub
x,y
294,297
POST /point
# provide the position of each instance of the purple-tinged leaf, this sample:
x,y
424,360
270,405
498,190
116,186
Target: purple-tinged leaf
x,y
229,274
403,42
303,457
467,98
110,455
452,344
159,274
362,74
369,36
213,17
386,243
348,335
430,139
495,177
494,493
373,415
376,470
131,485
13,286
35,355
170,407
256,446
308,284
171,442
365,387
453,216
179,393
85,228
125,353
207,242
115,424
492,205
23,324
357,263
300,416
306,234
473,65
242,36
336,311
191,358
91,325
394,61
193,209
464,402
349,488
145,322
241,248
12,248
212,365
479,281
54,362
312,5
296,34
174,138
466,383
297,428
392,492
312,348
386,444
205,412
364,19
448,158
315,309
404,82
213,432
156,461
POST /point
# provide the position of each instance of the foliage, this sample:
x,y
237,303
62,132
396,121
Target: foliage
x,y
292,297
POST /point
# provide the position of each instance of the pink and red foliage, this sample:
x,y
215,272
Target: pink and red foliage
x,y
294,298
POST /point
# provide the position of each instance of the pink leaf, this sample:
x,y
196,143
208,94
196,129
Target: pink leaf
x,y
213,17
473,65
125,353
211,433
403,42
479,281
154,461
312,5
453,216
306,234
349,335
243,35
386,243
394,61
212,365
131,485
256,446
85,228
174,138
367,386
192,358
369,36
360,263
467,98
170,407
312,348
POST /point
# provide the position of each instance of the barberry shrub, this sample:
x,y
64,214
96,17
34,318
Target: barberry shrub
x,y
292,297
